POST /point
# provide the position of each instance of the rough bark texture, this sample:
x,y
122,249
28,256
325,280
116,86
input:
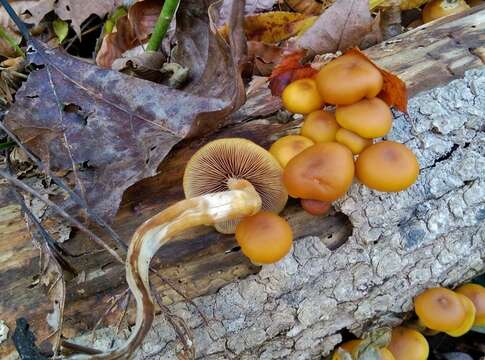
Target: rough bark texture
x,y
431,234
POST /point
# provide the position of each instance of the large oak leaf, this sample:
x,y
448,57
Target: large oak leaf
x,y
112,130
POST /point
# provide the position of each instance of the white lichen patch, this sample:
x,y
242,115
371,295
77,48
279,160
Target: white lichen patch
x,y
431,234
3,331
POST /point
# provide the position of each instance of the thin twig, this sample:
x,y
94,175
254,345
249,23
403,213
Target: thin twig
x,y
20,24
117,299
62,213
168,10
59,182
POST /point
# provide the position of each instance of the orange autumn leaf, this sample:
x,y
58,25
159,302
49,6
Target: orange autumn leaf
x,y
394,91
289,70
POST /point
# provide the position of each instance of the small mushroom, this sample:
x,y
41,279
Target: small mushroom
x,y
440,309
354,142
287,147
219,165
265,238
322,172
369,118
408,344
302,96
348,346
387,166
348,79
316,207
476,293
436,9
467,324
320,126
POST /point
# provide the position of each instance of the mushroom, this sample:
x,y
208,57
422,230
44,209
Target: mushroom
x,y
320,126
302,96
265,238
287,147
440,309
436,9
387,166
352,347
467,324
315,207
221,165
322,172
369,118
348,79
235,178
408,344
354,142
476,293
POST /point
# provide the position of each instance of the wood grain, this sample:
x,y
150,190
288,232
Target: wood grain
x,y
203,261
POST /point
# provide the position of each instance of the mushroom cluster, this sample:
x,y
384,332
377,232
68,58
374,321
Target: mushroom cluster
x,y
452,312
351,347
334,146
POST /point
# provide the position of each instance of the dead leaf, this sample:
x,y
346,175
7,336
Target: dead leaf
x,y
309,7
20,7
374,36
251,7
289,70
264,57
131,30
74,10
342,26
112,130
394,91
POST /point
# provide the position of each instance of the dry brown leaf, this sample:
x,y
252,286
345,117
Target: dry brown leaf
x,y
264,57
309,7
131,30
342,26
394,91
251,7
113,130
20,7
76,11
374,36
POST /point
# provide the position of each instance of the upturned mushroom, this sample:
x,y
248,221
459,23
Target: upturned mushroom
x,y
225,180
225,164
348,79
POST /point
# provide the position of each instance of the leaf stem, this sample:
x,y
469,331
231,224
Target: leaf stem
x,y
168,10
4,34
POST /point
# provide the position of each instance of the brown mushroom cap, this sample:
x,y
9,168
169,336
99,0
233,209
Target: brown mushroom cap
x,y
322,172
217,164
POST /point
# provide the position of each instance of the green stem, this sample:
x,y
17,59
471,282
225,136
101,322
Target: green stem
x,y
6,145
4,34
163,22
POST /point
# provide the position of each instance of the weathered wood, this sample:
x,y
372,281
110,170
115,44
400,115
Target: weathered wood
x,y
203,261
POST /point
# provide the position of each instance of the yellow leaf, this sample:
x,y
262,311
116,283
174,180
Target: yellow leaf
x,y
404,4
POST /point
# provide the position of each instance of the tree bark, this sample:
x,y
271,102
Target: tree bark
x,y
397,244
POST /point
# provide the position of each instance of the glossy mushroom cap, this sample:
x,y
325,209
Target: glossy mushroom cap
x,y
348,346
287,147
369,118
467,324
322,172
316,207
354,142
408,344
320,126
264,238
302,96
476,293
387,166
386,354
436,9
440,309
348,79
219,164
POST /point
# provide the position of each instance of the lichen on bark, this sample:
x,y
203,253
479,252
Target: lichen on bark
x,y
431,234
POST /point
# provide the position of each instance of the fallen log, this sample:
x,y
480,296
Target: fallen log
x,y
399,243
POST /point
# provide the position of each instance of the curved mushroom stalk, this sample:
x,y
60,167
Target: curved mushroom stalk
x,y
155,232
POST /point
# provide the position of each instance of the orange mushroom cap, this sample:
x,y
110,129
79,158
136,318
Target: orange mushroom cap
x,y
387,166
264,238
354,142
348,346
408,344
322,172
436,9
476,293
302,96
286,148
369,118
320,126
316,207
467,324
348,79
440,309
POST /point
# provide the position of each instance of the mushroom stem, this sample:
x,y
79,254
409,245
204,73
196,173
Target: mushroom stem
x,y
155,232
